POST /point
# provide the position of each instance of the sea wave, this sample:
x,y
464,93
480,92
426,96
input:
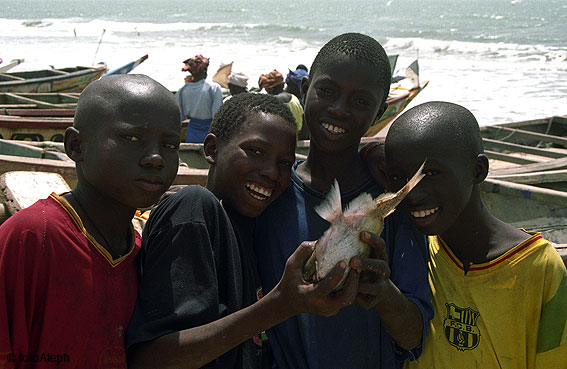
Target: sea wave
x,y
479,50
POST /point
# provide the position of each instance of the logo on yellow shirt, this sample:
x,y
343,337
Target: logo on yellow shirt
x,y
460,325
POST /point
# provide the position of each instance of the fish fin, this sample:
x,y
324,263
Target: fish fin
x,y
361,204
388,201
331,207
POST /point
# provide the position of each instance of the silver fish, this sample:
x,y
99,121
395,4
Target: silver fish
x,y
342,241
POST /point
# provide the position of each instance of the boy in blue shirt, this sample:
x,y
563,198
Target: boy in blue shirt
x,y
345,92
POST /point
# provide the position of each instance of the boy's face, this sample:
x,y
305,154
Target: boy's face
x,y
133,156
442,196
342,100
253,167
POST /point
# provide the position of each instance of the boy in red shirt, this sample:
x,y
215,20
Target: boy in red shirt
x,y
68,281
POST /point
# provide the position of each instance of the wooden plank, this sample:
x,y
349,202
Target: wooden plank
x,y
510,158
57,71
553,164
11,77
519,133
534,178
64,168
522,148
525,191
40,112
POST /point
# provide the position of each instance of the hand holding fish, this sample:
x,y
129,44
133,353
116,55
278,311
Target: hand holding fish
x,y
305,297
374,272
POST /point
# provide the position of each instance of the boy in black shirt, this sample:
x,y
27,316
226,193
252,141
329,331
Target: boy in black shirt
x,y
199,289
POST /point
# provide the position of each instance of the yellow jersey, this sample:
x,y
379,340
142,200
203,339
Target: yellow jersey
x,y
508,313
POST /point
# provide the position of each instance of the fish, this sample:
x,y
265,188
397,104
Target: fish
x,y
341,241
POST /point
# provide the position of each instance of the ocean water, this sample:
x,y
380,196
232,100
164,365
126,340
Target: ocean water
x,y
505,60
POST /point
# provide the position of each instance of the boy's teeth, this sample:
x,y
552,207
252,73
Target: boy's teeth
x,y
261,190
332,128
423,213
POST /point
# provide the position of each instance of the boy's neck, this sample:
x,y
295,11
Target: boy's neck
x,y
105,219
320,169
478,237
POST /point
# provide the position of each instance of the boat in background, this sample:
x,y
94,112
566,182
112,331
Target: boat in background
x,y
127,68
404,88
18,103
73,79
10,65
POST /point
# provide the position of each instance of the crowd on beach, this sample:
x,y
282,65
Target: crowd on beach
x,y
216,279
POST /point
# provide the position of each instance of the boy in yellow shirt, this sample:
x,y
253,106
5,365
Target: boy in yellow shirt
x,y
499,293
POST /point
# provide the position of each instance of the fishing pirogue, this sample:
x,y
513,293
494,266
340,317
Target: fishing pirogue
x,y
341,241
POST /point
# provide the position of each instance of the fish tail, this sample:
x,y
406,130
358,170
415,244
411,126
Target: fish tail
x,y
417,177
388,202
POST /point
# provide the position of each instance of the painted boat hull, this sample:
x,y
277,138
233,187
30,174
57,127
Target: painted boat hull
x,y
54,80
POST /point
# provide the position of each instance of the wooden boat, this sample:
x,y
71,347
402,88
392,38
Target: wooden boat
x,y
403,90
127,68
10,65
52,104
527,183
73,79
34,128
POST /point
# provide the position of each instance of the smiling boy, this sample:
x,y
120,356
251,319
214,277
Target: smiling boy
x,y
200,299
345,92
499,292
68,279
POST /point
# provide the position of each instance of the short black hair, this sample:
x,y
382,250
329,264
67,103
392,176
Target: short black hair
x,y
234,112
445,122
359,47
301,66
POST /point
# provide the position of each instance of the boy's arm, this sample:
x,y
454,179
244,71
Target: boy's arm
x,y
195,347
551,349
400,315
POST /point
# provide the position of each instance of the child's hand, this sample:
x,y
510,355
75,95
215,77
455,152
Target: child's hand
x,y
315,298
374,272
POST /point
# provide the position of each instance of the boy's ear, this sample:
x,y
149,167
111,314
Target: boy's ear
x,y
73,144
304,87
480,168
210,147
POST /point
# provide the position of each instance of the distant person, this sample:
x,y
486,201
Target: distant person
x,y
237,83
200,299
68,281
293,85
198,99
344,94
293,81
273,83
499,292
303,67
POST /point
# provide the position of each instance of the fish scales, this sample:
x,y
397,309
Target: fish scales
x,y
341,241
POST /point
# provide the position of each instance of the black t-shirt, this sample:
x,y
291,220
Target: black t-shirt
x,y
193,271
